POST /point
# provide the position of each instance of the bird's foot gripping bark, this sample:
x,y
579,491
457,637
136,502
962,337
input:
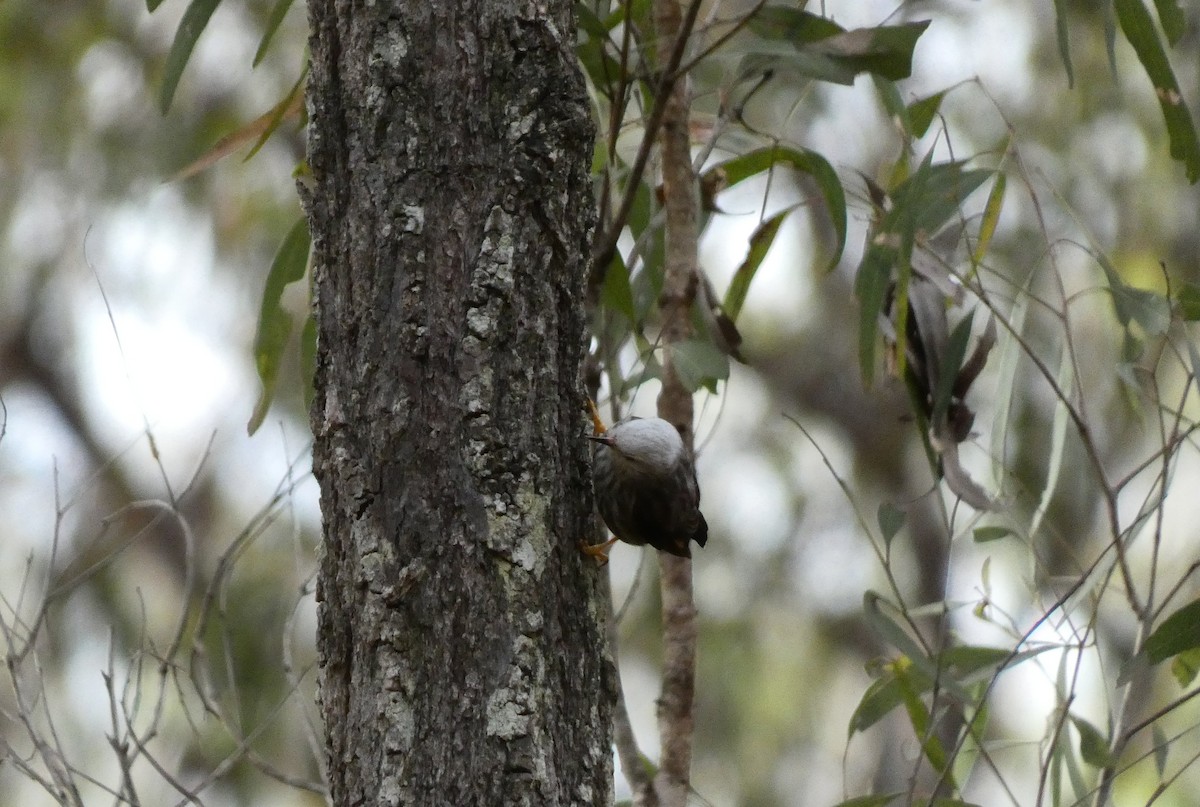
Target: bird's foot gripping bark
x,y
598,551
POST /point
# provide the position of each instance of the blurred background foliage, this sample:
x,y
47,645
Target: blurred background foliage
x,y
151,526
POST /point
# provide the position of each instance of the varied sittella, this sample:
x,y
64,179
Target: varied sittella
x,y
645,486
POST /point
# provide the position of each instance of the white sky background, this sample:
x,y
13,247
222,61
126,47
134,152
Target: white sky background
x,y
181,364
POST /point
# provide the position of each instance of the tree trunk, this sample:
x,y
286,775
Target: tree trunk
x,y
462,637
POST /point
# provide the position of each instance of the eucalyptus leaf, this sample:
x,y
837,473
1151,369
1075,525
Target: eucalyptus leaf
x,y
1093,746
191,25
760,244
1138,28
1177,633
274,324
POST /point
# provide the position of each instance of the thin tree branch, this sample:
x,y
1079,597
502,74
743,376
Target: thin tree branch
x,y
680,202
606,242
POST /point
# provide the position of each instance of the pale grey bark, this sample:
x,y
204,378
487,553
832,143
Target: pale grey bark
x,y
462,633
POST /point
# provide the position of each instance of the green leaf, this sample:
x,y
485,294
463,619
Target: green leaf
x,y
887,629
985,534
870,286
1093,746
190,27
760,244
1064,44
153,4
1185,666
1148,309
967,663
956,351
922,112
885,50
1161,749
919,718
933,194
1171,17
894,105
877,702
1058,439
1188,300
991,216
588,22
291,103
807,162
891,519
278,12
699,363
617,294
593,53
785,24
274,324
870,801
1138,26
1177,633
823,51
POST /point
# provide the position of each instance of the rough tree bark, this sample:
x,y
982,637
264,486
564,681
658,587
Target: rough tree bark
x,y
462,635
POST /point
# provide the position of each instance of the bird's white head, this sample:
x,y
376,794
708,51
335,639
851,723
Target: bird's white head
x,y
651,443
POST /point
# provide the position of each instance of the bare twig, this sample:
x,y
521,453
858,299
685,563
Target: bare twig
x,y
669,75
675,718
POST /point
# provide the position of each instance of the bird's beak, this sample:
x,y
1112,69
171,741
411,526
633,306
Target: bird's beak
x,y
601,438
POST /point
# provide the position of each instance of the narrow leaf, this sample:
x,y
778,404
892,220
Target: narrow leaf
x,y
1138,26
877,702
1171,17
886,628
956,350
922,112
1093,747
1006,379
870,801
260,128
760,244
274,324
1058,441
1161,749
1064,44
616,293
1149,309
870,286
1188,300
1177,633
791,25
991,215
920,719
891,519
885,50
807,162
894,105
289,107
1185,667
278,12
699,363
190,27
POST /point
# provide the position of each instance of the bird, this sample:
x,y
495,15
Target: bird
x,y
645,487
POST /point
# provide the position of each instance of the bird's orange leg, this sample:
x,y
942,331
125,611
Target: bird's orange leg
x,y
598,551
597,423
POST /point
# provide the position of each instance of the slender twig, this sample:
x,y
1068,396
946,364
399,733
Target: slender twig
x,y
606,243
